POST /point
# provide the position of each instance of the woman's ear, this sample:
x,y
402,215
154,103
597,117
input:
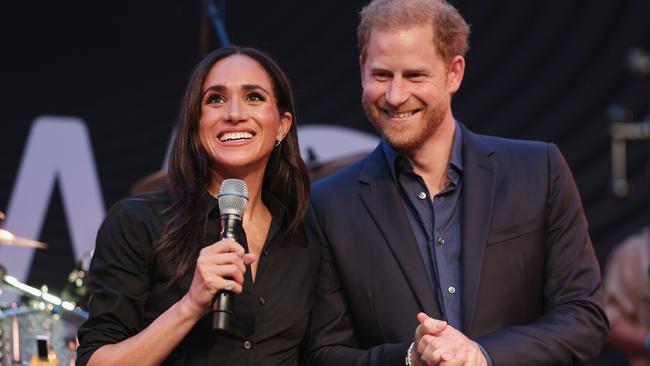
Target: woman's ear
x,y
286,120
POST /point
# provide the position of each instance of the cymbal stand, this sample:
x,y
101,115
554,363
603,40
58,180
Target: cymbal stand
x,y
622,129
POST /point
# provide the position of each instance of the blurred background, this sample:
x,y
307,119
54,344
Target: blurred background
x,y
90,93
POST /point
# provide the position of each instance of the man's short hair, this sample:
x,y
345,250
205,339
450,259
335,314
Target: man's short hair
x,y
450,31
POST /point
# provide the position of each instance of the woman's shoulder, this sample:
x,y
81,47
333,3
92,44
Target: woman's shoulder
x,y
148,209
156,201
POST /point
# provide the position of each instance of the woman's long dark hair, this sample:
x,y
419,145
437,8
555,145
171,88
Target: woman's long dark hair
x,y
190,178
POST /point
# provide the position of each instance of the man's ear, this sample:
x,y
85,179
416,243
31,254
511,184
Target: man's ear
x,y
455,73
362,62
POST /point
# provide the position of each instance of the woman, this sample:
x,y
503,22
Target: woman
x,y
158,262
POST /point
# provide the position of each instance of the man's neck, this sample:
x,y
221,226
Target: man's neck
x,y
430,160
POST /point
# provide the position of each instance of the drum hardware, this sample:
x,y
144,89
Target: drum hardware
x,y
622,132
44,355
41,299
156,181
623,127
15,336
77,289
7,238
319,169
26,330
27,335
638,62
43,322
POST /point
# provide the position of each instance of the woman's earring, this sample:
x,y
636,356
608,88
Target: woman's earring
x,y
277,142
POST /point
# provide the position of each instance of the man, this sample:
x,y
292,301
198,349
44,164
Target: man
x,y
627,297
443,246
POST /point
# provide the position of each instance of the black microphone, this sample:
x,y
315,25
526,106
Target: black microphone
x,y
233,197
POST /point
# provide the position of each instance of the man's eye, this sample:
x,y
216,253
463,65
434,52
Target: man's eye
x,y
415,76
381,75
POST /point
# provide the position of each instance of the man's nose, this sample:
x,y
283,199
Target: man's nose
x,y
397,92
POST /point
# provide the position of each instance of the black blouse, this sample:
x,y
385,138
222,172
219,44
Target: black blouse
x,y
270,316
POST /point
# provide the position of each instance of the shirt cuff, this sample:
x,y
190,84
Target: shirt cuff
x,y
487,355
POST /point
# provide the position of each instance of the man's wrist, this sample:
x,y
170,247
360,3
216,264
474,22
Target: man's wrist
x,y
407,359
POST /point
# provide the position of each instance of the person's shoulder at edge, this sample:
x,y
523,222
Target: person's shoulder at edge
x,y
141,201
506,144
635,243
142,209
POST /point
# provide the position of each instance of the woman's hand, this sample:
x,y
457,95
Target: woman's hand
x,y
220,266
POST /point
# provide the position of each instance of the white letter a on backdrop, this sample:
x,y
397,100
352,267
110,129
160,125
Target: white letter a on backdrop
x,y
57,148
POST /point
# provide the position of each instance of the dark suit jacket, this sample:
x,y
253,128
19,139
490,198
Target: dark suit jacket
x,y
530,279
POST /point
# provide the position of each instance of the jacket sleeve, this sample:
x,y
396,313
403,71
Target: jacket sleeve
x,y
331,335
573,326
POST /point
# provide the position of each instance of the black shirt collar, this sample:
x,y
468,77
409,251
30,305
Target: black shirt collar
x,y
279,212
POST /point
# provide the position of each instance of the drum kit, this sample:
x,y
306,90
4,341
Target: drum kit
x,y
41,329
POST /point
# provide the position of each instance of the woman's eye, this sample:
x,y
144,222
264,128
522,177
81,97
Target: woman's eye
x,y
214,98
255,97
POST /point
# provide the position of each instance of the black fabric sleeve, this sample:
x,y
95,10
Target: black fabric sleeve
x,y
331,335
119,280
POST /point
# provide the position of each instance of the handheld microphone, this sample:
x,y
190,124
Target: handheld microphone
x,y
233,197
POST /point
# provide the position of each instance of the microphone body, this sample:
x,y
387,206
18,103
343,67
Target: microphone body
x,y
233,197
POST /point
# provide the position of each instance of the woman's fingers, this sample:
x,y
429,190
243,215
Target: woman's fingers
x,y
230,271
224,261
249,258
228,245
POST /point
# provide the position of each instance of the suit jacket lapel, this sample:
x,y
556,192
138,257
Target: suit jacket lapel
x,y
479,177
382,199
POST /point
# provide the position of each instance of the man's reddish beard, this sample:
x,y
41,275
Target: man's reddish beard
x,y
404,137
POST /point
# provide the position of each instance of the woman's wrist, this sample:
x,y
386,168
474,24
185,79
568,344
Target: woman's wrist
x,y
188,309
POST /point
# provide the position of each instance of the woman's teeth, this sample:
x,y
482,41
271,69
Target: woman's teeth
x,y
233,136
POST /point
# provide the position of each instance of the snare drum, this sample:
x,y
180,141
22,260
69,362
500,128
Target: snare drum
x,y
23,328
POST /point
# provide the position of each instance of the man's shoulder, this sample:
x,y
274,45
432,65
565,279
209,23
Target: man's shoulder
x,y
504,144
509,152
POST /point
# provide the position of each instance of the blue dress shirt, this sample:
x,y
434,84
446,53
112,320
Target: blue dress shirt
x,y
436,224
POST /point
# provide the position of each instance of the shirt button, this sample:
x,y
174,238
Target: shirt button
x,y
248,344
441,241
262,300
451,289
422,195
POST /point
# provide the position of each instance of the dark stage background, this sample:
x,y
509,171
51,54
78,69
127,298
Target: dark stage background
x,y
544,70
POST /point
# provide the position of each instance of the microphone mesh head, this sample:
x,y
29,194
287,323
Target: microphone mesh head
x,y
233,197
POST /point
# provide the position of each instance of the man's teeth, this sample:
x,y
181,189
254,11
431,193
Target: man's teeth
x,y
400,114
231,136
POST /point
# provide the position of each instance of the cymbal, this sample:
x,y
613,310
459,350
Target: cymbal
x,y
7,238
